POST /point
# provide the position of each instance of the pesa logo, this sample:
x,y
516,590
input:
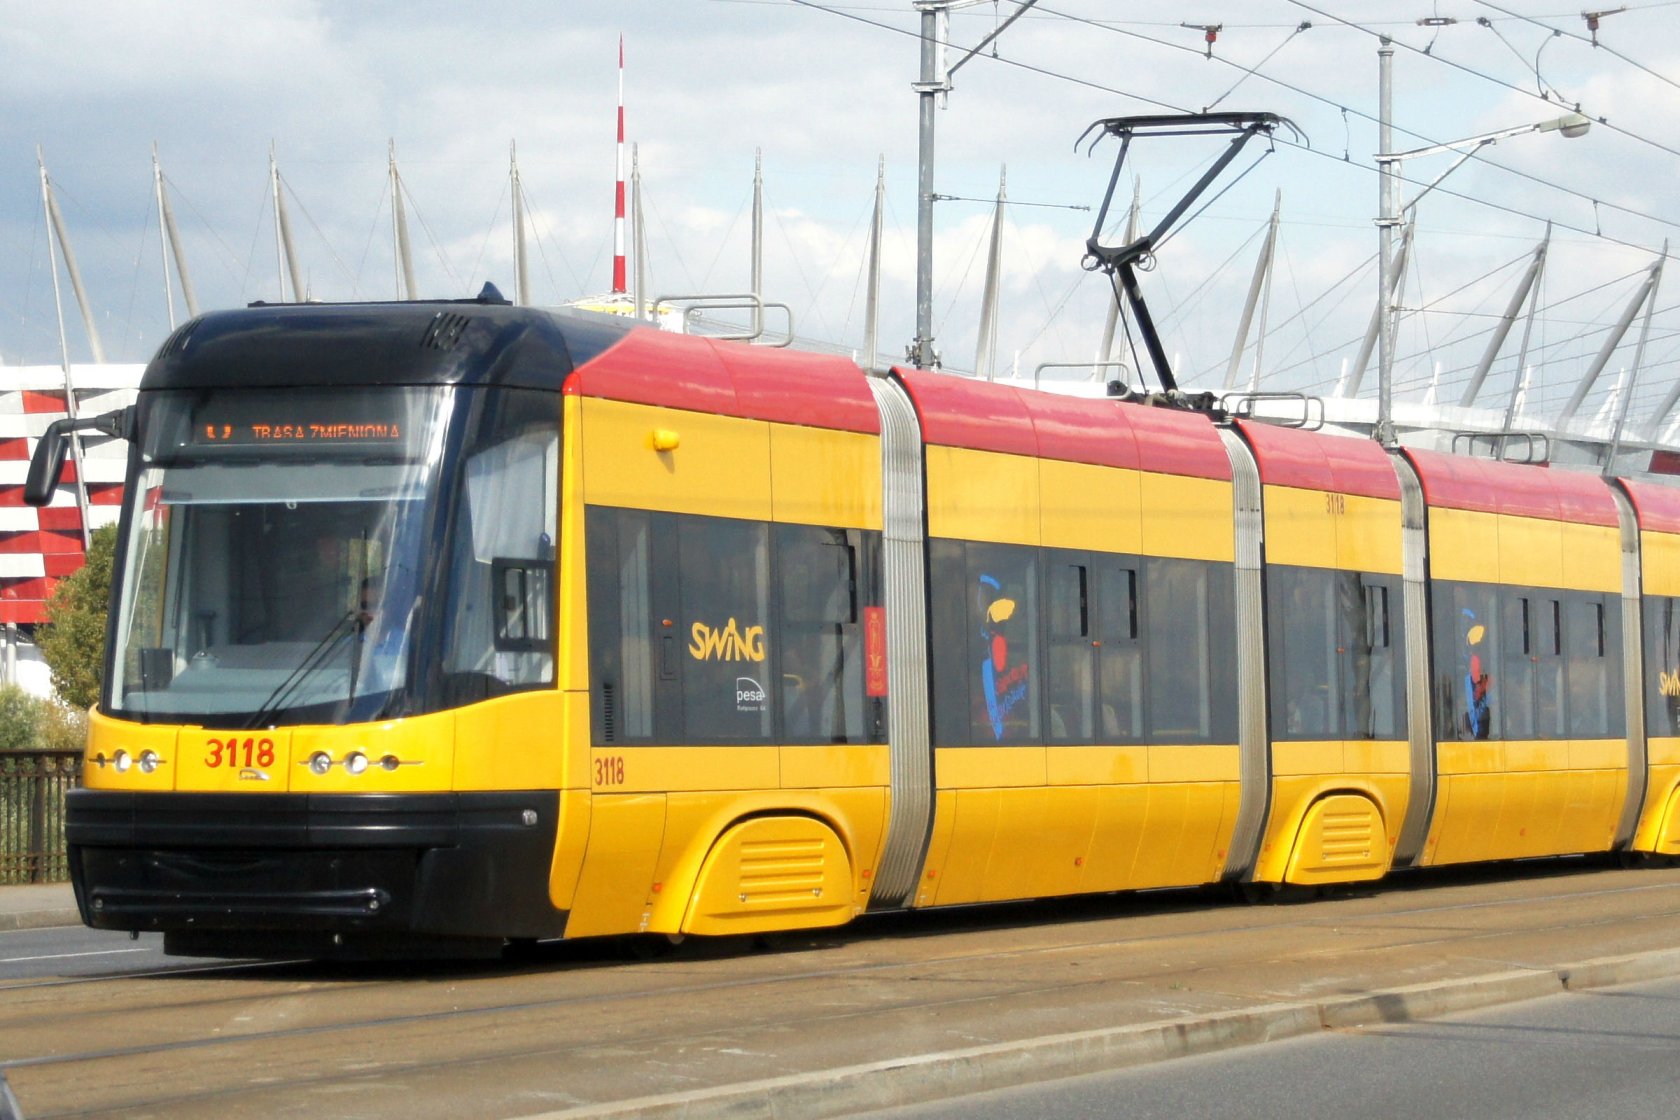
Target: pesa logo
x,y
749,695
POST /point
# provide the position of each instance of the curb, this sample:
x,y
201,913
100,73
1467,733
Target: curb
x,y
40,919
898,1082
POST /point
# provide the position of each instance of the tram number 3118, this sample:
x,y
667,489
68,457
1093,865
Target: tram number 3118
x,y
240,752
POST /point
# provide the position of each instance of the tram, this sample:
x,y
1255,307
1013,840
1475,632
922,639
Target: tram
x,y
439,625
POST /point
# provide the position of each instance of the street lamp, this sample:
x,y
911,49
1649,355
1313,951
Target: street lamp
x,y
1570,125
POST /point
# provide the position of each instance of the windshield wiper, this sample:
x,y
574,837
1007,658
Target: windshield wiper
x,y
312,661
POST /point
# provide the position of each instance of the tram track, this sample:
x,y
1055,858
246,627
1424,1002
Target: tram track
x,y
1186,955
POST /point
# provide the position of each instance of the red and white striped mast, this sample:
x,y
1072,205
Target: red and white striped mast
x,y
618,283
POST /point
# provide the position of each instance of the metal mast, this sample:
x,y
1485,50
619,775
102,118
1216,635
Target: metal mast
x,y
163,237
283,247
638,231
1384,430
172,244
758,243
619,280
985,351
1646,291
399,232
56,221
872,302
1105,353
1638,357
1262,283
1518,297
521,274
935,81
55,226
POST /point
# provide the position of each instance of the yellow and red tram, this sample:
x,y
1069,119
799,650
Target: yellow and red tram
x,y
442,624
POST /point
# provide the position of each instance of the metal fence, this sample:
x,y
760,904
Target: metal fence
x,y
32,787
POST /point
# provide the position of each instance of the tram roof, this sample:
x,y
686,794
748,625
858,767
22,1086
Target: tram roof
x,y
988,416
1657,505
1486,486
1319,461
465,342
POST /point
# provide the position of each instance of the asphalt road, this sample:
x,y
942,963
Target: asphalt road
x,y
894,1009
1607,1054
74,951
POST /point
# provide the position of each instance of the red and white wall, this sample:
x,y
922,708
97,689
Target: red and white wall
x,y
38,547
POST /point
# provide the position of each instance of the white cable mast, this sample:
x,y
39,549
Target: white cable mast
x,y
172,239
1258,288
55,227
403,258
521,273
985,351
1105,352
285,251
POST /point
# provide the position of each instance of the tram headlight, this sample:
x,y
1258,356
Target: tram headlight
x,y
122,762
148,761
356,762
319,763
389,762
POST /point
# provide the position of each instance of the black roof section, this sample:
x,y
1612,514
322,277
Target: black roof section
x,y
464,342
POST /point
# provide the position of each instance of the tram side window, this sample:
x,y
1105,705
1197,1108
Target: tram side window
x,y
1093,680
1375,657
1070,681
1119,657
724,572
1337,655
1547,621
621,626
1304,666
820,672
1468,696
1592,640
1190,638
499,636
1662,665
984,664
948,669
1003,660
1521,616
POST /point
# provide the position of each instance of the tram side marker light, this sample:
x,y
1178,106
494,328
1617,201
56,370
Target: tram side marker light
x,y
355,762
319,763
122,761
148,761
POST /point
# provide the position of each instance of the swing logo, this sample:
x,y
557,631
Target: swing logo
x,y
729,642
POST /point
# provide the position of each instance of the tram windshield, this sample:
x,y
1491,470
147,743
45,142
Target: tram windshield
x,y
282,548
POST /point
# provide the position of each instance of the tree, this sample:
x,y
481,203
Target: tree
x,y
20,719
73,641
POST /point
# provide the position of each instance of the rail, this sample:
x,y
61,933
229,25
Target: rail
x,y
32,788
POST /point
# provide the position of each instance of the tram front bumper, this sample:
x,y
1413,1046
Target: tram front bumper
x,y
433,864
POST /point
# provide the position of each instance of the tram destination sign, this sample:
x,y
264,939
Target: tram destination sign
x,y
264,420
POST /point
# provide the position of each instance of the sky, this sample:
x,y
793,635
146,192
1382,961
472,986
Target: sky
x,y
821,92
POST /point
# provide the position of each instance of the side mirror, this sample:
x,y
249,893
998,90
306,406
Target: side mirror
x,y
47,466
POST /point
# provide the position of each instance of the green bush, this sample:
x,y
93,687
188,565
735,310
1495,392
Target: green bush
x,y
20,719
62,728
73,641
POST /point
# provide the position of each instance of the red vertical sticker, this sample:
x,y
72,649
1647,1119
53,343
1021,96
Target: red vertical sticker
x,y
875,650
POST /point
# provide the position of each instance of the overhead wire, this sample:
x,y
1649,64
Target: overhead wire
x,y
1606,48
1345,109
1596,232
1484,77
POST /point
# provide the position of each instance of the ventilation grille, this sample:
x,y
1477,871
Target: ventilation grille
x,y
177,342
444,331
609,713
